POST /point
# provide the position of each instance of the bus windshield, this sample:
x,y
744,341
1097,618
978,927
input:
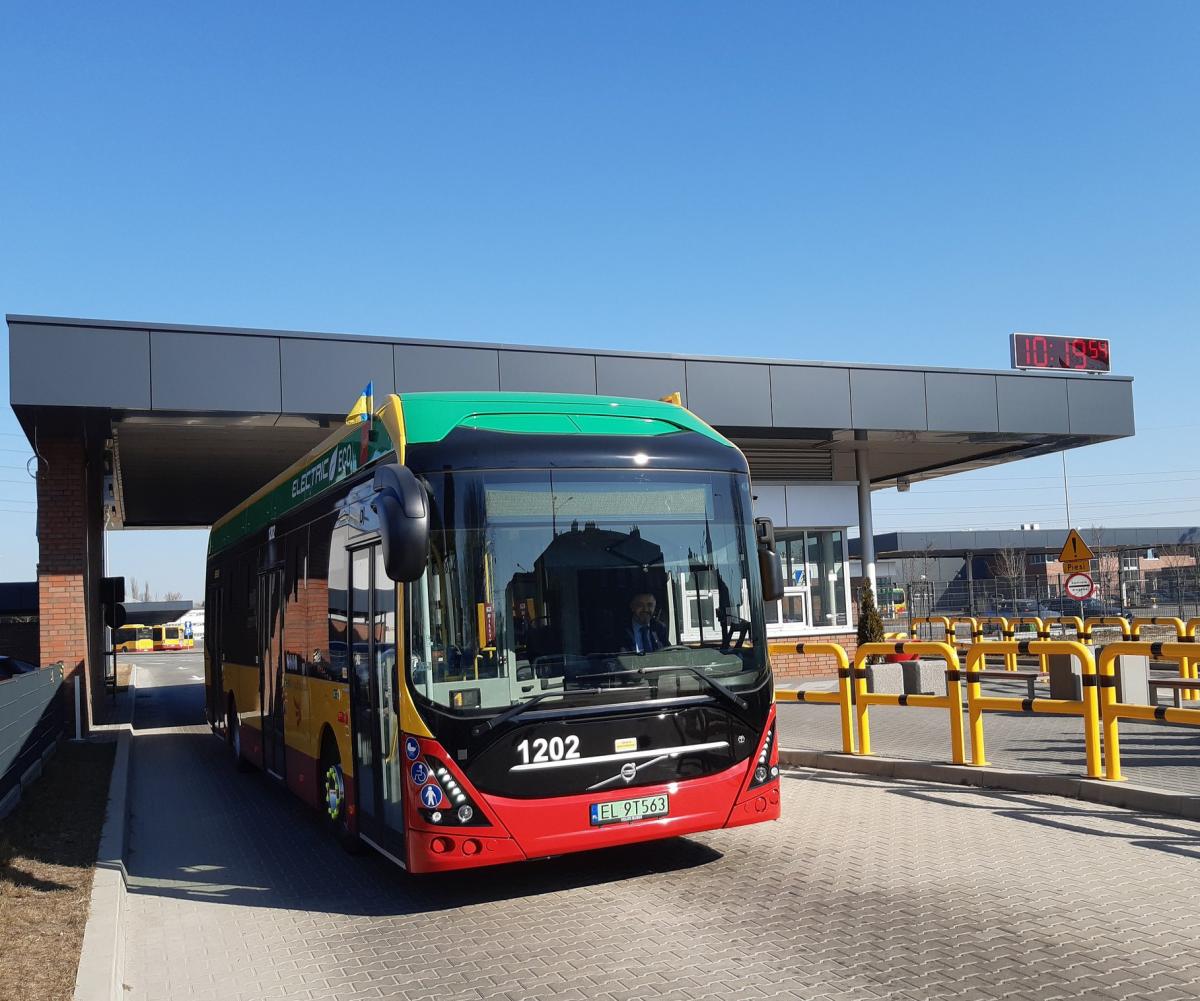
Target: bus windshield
x,y
613,585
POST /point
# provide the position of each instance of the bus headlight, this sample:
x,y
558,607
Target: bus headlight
x,y
764,770
462,810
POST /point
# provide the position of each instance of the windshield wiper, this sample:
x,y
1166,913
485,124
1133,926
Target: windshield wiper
x,y
727,694
514,711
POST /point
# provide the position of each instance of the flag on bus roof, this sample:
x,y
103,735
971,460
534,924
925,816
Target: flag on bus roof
x,y
365,407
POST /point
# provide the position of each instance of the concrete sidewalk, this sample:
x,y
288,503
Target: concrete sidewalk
x,y
865,889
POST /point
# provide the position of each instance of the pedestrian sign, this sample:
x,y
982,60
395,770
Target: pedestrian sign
x,y
1075,557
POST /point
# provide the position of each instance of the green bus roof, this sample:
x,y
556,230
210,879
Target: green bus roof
x,y
429,417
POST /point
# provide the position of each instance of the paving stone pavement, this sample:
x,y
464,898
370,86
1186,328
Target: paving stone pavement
x,y
1156,755
866,889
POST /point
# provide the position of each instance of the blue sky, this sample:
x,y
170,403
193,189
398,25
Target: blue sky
x,y
877,182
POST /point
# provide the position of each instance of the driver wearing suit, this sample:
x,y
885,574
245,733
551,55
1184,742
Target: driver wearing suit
x,y
644,634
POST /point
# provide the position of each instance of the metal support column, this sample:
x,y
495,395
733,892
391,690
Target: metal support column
x,y
866,523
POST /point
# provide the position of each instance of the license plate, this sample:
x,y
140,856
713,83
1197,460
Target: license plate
x,y
622,811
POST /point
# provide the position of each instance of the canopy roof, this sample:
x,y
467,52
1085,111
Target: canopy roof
x,y
198,418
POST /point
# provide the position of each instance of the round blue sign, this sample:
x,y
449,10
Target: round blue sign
x,y
419,772
431,795
411,748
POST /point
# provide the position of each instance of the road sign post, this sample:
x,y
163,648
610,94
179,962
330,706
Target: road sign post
x,y
1076,557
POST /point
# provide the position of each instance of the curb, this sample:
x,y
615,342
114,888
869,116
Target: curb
x,y
102,959
1120,794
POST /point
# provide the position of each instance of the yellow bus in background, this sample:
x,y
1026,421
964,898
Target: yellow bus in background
x,y
134,638
168,637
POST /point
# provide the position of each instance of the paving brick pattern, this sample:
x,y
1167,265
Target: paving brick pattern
x,y
1156,755
864,890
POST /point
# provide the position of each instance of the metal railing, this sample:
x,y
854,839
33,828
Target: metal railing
x,y
1097,707
951,701
1086,707
842,697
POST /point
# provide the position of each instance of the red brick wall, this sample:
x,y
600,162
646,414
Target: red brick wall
x,y
62,556
795,665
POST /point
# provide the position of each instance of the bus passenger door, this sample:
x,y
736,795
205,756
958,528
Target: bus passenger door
x,y
378,756
270,647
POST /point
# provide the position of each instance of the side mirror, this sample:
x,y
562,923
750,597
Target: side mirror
x,y
403,510
769,567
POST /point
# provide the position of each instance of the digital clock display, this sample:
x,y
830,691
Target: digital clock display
x,y
1083,354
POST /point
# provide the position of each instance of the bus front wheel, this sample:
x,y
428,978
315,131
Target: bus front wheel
x,y
334,802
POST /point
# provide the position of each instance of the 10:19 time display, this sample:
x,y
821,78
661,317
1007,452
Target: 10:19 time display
x,y
1083,354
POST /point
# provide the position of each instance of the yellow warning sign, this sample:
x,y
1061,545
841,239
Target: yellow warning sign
x,y
1075,550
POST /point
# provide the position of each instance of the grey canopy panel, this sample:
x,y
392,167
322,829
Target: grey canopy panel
x,y
199,417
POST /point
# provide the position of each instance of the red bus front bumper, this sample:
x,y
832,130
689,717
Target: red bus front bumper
x,y
536,828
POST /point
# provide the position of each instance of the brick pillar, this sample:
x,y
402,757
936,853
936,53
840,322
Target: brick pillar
x,y
63,561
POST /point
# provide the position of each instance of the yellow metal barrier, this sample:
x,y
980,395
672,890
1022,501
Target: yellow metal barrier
x,y
972,623
1180,629
1192,663
840,698
1113,711
1109,620
1135,628
1082,633
1087,708
951,701
1040,630
932,620
1006,633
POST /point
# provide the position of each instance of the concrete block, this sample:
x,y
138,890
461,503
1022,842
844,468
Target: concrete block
x,y
1133,680
924,676
1065,677
885,679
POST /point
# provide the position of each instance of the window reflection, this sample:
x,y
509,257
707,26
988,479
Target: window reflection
x,y
543,582
814,570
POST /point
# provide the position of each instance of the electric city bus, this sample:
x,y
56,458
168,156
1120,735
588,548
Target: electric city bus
x,y
481,628
134,638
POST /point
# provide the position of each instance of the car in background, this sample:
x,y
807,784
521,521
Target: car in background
x,y
1008,608
10,667
1089,608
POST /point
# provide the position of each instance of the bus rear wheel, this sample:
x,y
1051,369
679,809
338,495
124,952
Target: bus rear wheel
x,y
233,737
334,803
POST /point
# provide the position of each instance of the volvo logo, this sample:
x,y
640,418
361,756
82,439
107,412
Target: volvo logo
x,y
628,771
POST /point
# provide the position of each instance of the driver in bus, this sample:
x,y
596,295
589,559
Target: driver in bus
x,y
644,633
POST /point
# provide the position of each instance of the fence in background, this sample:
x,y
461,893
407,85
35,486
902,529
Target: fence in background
x,y
32,718
1167,593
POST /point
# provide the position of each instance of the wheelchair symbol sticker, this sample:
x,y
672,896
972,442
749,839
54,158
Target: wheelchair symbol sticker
x,y
411,748
431,795
419,772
